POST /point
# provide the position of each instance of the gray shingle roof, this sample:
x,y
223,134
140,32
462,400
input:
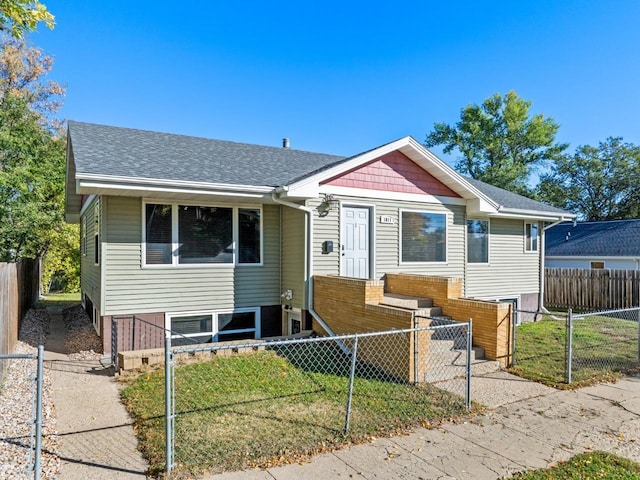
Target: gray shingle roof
x,y
105,150
126,152
613,238
512,200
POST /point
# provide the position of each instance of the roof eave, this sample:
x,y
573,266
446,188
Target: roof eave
x,y
141,187
534,214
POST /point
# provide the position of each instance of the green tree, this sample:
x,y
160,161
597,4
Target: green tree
x,y
32,153
20,16
596,183
61,262
500,142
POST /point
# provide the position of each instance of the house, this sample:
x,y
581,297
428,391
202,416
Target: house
x,y
219,240
611,244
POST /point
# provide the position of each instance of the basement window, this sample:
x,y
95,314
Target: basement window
x,y
214,326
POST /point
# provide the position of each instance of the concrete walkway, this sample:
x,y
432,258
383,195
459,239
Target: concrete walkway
x,y
96,436
543,427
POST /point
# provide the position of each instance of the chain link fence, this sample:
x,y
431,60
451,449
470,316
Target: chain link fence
x,y
566,348
250,403
601,342
21,438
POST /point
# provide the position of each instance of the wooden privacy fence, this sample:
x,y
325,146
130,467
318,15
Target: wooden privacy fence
x,y
19,289
591,289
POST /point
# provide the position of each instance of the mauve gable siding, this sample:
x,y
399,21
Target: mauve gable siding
x,y
393,172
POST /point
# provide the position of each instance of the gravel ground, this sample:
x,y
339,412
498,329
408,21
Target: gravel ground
x,y
17,409
81,341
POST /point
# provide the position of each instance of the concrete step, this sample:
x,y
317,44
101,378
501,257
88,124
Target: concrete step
x,y
453,352
443,373
406,301
429,312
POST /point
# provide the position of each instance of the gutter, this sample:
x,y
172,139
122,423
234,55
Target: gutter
x,y
308,270
541,307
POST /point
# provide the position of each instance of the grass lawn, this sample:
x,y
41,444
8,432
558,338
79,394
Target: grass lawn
x,y
600,465
603,348
60,300
259,409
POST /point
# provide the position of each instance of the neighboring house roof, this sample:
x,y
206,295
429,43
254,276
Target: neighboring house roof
x,y
612,238
122,161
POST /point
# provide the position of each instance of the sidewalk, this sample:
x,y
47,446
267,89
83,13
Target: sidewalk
x,y
513,436
96,435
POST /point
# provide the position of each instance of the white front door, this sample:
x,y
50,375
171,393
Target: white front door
x,y
355,242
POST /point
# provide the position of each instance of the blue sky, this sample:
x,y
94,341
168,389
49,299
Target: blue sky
x,y
344,76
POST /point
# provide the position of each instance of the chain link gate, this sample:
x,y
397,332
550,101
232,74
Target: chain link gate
x,y
600,342
581,347
25,442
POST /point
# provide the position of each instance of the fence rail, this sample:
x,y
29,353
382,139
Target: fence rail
x,y
591,289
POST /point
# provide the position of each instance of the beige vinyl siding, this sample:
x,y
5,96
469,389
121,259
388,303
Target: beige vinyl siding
x,y
90,272
325,228
130,287
511,271
293,254
387,238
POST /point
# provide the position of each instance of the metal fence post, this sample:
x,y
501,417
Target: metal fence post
x,y
467,392
638,315
114,342
38,443
569,343
168,408
514,348
416,354
354,353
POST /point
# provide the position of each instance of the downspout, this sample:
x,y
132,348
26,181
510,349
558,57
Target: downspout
x,y
541,307
308,271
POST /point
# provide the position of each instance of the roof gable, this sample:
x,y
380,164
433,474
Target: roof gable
x,y
392,172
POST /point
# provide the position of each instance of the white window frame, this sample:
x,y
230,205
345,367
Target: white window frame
x,y
96,233
527,249
215,333
466,232
83,236
446,237
175,263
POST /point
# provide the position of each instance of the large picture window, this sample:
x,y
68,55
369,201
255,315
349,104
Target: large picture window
x,y
192,234
478,241
205,234
424,237
207,327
